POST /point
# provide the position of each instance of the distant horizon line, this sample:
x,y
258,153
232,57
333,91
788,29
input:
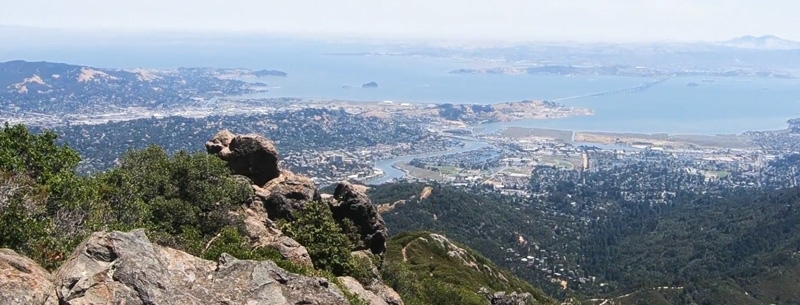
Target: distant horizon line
x,y
373,38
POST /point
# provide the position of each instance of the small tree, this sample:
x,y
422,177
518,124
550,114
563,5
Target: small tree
x,y
316,229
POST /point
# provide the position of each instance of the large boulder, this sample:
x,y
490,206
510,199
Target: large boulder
x,y
353,204
286,194
23,282
253,156
125,268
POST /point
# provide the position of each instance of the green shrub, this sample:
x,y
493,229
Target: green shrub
x,y
38,156
315,228
170,195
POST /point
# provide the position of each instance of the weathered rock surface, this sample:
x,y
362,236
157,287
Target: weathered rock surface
x,y
253,156
262,232
125,268
503,298
355,287
353,204
292,250
23,282
386,293
277,193
286,194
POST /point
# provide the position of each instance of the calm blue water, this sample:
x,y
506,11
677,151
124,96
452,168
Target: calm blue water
x,y
728,105
724,106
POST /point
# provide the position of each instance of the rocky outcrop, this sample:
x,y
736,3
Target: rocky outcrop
x,y
292,250
277,193
353,204
262,232
385,293
125,268
253,156
355,287
23,282
286,194
503,298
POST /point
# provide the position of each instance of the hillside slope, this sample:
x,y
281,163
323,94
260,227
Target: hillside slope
x,y
428,268
57,88
738,248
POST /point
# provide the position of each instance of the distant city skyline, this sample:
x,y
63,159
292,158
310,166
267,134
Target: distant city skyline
x,y
502,20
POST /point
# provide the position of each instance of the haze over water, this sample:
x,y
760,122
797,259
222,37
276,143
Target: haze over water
x,y
717,106
727,105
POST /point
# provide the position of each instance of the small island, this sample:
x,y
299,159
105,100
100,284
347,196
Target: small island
x,y
264,73
370,85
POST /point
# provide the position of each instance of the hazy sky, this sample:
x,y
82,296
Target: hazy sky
x,y
516,20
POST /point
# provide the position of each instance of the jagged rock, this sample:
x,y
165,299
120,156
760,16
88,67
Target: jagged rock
x,y
386,293
218,144
354,204
125,268
253,156
286,194
263,233
503,298
23,282
292,250
355,287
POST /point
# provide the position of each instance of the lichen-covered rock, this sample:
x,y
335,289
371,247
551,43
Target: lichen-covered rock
x,y
23,282
353,204
125,268
286,194
253,156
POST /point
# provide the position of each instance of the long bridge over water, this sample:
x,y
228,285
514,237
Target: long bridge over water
x,y
634,89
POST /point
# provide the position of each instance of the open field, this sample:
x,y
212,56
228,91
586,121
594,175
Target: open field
x,y
665,140
525,132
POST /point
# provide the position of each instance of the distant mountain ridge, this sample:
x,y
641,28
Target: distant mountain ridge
x,y
766,42
46,87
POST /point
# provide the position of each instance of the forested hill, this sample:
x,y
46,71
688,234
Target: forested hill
x,y
742,247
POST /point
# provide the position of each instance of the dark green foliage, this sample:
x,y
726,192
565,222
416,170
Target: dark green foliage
x,y
391,192
44,204
315,228
717,246
37,156
46,209
24,225
168,194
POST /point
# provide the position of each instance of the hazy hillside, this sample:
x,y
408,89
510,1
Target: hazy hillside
x,y
56,88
